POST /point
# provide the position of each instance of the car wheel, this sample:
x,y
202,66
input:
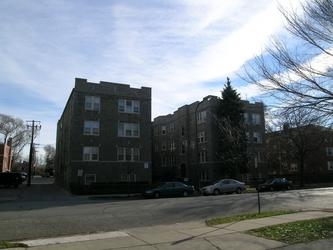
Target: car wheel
x,y
238,190
157,195
185,193
216,192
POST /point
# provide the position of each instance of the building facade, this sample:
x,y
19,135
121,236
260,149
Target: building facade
x,y
283,157
104,138
185,143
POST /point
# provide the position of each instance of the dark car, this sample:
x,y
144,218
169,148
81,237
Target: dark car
x,y
224,186
169,189
10,179
275,184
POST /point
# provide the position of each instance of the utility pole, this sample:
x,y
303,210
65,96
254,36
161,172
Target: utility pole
x,y
34,125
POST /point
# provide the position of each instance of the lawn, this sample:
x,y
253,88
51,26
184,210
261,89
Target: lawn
x,y
297,232
6,244
236,218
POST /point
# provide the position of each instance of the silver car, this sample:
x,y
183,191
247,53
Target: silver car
x,y
224,186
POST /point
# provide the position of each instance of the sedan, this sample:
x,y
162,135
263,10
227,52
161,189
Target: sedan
x,y
275,184
170,189
224,186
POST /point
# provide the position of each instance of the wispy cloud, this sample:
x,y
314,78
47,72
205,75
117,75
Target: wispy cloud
x,y
182,49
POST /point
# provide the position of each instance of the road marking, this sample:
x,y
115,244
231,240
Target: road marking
x,y
76,238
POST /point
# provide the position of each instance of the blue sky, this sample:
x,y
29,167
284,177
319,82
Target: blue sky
x,y
183,49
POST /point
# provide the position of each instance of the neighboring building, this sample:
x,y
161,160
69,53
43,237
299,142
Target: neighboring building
x,y
5,157
104,138
283,160
185,142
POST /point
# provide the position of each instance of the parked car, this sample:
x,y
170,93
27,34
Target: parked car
x,y
9,179
168,189
224,186
275,184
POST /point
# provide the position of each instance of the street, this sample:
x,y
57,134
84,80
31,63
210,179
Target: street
x,y
43,210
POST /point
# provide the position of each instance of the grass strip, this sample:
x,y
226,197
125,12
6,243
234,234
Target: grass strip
x,y
240,217
297,232
6,244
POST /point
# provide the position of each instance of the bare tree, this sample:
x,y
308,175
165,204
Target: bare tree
x,y
302,134
49,158
300,77
14,130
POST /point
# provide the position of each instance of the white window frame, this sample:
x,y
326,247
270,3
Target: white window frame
x,y
128,106
173,145
256,118
128,129
128,154
201,118
257,137
91,128
203,156
330,165
86,179
163,129
92,103
329,151
201,137
246,118
90,153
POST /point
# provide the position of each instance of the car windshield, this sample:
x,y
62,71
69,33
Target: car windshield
x,y
269,181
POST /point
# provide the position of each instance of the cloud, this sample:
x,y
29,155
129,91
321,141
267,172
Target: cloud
x,y
182,49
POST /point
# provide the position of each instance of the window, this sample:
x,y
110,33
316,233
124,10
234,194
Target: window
x,y
90,153
163,146
182,150
89,178
163,130
92,103
164,161
128,154
329,151
201,137
172,127
91,128
204,176
246,118
172,145
293,167
330,165
172,160
256,119
201,116
183,131
128,106
257,137
128,129
203,156
183,147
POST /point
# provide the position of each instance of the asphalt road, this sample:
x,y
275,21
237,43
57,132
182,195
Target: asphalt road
x,y
43,210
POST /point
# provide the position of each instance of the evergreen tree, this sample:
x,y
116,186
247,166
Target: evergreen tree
x,y
231,130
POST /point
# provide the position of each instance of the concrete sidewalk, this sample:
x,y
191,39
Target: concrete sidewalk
x,y
193,235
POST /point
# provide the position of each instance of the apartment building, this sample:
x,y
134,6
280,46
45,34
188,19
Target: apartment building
x,y
104,138
185,143
283,157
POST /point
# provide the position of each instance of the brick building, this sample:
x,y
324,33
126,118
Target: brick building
x,y
185,142
104,138
283,159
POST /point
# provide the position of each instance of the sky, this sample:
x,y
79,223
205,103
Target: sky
x,y
183,49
